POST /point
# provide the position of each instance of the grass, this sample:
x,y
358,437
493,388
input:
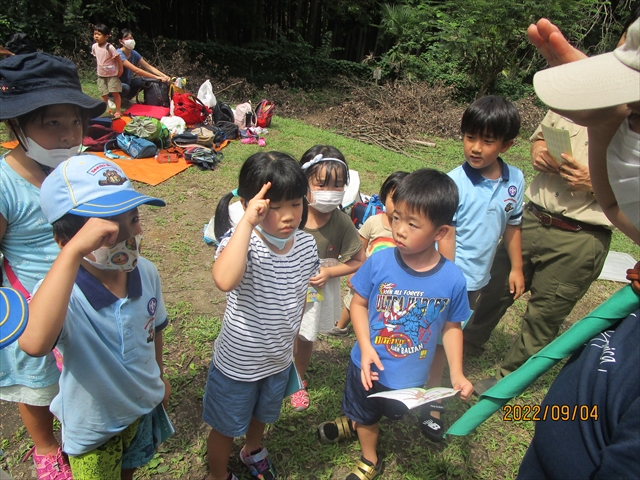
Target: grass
x,y
173,240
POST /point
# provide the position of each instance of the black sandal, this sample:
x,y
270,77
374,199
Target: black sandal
x,y
432,427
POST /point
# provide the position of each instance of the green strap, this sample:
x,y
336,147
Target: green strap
x,y
619,306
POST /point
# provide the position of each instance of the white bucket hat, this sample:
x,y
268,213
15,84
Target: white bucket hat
x,y
596,82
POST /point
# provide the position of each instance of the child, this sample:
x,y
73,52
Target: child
x,y
48,120
491,196
109,66
336,236
375,235
105,316
404,298
253,354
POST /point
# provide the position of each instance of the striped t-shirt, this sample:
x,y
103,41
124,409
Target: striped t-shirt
x,y
264,311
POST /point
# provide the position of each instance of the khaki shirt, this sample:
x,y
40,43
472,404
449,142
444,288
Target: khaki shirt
x,y
552,193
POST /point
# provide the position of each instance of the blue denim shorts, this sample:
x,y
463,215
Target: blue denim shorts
x,y
368,411
228,404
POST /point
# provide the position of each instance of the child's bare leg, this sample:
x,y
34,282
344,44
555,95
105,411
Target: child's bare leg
x,y
254,436
303,355
435,373
39,424
345,318
218,450
368,436
117,99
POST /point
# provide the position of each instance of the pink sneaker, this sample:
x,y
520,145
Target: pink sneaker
x,y
249,140
262,142
300,399
50,466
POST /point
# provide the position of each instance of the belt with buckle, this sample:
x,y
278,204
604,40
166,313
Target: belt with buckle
x,y
563,223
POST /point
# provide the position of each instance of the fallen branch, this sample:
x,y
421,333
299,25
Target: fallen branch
x,y
420,142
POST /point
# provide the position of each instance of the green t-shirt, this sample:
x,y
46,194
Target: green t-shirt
x,y
337,238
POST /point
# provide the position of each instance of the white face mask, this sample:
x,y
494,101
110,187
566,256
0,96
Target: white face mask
x,y
49,158
122,256
326,201
623,167
130,43
276,241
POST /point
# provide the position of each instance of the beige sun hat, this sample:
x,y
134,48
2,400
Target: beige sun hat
x,y
597,82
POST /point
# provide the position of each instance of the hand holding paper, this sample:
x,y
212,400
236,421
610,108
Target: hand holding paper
x,y
558,142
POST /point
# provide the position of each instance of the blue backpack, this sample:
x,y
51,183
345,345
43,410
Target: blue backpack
x,y
133,146
363,210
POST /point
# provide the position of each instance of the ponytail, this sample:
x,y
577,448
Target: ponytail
x,y
222,220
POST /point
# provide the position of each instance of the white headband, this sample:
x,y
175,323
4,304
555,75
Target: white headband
x,y
319,158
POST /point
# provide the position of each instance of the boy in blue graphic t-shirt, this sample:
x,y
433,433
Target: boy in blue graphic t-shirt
x,y
405,297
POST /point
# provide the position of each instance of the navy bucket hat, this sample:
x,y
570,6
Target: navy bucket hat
x,y
34,80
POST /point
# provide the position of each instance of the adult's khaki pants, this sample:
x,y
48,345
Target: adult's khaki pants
x,y
558,266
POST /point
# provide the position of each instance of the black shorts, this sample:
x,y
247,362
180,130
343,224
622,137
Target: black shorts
x,y
368,411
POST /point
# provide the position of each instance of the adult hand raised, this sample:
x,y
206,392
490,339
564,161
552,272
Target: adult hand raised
x,y
552,44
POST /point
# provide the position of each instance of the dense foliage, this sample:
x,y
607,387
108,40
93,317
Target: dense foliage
x,y
476,46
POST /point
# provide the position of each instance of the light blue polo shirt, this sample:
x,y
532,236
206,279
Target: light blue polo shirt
x,y
110,376
486,208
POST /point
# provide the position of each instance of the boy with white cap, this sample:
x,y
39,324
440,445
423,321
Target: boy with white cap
x,y
101,305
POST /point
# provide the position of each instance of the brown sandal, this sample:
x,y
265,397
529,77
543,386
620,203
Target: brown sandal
x,y
338,429
365,470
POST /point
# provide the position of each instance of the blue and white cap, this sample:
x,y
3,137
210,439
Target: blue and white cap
x,y
14,313
89,186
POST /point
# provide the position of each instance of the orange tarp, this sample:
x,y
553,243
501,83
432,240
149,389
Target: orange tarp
x,y
146,170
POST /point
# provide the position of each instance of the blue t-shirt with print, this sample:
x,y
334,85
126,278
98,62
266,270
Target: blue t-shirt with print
x,y
407,312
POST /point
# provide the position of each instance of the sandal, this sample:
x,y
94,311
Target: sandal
x,y
432,427
331,432
300,399
117,115
365,470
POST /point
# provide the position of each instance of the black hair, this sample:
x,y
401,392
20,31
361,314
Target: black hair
x,y
102,28
492,115
125,32
390,184
66,227
431,193
288,182
334,170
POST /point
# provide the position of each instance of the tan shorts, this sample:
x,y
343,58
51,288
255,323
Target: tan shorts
x,y
107,85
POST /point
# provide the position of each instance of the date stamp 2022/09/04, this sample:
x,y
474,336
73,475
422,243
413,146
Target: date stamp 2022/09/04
x,y
562,413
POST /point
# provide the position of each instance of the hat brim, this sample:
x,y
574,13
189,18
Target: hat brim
x,y
15,107
597,82
115,204
14,316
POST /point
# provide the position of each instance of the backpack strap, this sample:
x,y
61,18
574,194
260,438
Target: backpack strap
x,y
109,154
13,280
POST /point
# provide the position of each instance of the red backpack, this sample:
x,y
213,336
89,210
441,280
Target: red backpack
x,y
189,108
97,136
264,112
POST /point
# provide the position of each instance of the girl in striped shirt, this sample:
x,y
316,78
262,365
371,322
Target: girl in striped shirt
x,y
264,264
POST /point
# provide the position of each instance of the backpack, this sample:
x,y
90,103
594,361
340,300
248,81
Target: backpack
x,y
363,210
223,112
188,107
244,113
148,128
230,129
205,158
156,92
97,136
135,147
264,112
